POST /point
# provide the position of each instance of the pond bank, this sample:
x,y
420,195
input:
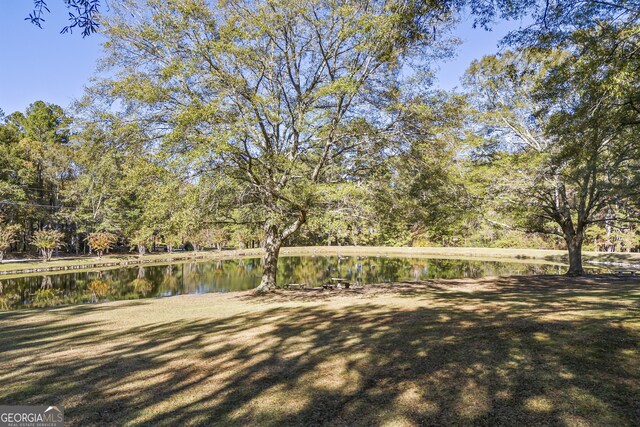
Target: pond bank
x,y
240,273
110,261
85,263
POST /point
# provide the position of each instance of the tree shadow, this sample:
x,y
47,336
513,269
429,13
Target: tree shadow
x,y
514,352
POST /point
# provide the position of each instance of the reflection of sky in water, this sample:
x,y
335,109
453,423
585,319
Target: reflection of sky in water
x,y
234,275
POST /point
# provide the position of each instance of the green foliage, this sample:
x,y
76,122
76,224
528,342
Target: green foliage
x,y
141,241
216,237
559,124
8,236
47,241
249,95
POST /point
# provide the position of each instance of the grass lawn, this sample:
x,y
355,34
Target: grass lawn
x,y
497,351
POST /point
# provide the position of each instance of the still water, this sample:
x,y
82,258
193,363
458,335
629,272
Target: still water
x,y
240,274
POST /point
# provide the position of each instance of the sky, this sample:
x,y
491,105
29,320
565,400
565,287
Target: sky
x,y
476,43
42,64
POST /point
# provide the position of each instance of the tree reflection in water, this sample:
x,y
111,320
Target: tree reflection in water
x,y
242,274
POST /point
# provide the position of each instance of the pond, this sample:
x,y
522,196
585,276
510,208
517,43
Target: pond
x,y
239,274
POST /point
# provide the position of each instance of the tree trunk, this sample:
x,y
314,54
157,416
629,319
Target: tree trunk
x,y
47,254
574,245
272,244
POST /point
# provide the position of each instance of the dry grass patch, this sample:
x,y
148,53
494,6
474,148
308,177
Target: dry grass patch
x,y
497,351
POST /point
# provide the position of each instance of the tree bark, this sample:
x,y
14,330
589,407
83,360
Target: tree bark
x,y
574,245
47,254
274,237
272,244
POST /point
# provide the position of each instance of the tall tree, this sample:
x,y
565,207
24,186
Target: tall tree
x,y
37,166
270,94
427,184
564,125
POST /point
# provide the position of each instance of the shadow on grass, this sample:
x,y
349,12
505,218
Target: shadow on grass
x,y
514,353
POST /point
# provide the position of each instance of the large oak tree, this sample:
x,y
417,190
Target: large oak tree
x,y
274,96
563,122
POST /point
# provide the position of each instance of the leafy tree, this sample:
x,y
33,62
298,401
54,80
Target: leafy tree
x,y
172,241
101,241
141,240
246,236
216,237
565,136
271,95
428,188
345,215
552,18
12,191
47,241
99,195
197,240
555,22
120,187
36,167
8,234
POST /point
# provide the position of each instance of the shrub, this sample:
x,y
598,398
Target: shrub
x,y
101,241
8,234
141,241
47,241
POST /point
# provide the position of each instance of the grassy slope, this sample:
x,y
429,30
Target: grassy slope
x,y
506,351
79,263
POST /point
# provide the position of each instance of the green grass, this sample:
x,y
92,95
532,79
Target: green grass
x,y
497,351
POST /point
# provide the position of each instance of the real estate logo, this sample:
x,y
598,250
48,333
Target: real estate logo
x,y
31,416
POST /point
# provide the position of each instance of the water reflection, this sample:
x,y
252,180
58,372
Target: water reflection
x,y
234,275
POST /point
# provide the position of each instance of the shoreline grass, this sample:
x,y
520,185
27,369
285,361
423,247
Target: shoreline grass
x,y
543,350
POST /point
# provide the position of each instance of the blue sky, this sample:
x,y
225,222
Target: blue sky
x,y
42,64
